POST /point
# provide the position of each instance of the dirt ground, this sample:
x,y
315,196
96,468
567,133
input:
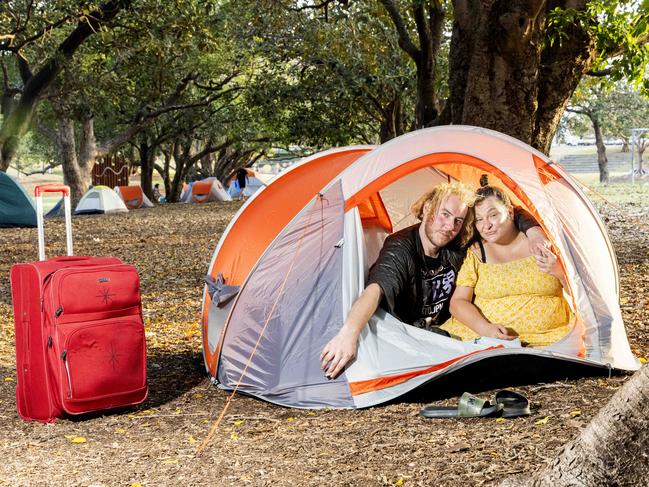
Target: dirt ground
x,y
258,443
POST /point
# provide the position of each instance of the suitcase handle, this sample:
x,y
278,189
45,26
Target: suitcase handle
x,y
51,188
40,222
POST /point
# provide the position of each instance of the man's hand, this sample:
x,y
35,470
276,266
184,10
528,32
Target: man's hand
x,y
537,241
549,264
336,354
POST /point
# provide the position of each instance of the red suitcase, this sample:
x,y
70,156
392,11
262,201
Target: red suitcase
x,y
80,344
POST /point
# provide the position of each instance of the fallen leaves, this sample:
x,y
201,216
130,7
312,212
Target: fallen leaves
x,y
75,439
542,421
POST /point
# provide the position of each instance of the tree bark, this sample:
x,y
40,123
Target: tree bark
x,y
502,74
612,450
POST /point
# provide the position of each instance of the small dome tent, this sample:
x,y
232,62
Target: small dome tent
x,y
16,207
204,191
269,311
133,197
100,199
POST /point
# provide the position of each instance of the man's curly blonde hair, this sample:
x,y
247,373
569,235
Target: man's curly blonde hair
x,y
433,200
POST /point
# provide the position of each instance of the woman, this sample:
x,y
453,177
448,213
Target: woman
x,y
503,291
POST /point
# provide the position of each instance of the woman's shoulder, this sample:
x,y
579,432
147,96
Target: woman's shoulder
x,y
476,251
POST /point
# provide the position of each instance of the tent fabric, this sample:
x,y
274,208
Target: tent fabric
x,y
204,191
247,342
99,200
133,197
16,207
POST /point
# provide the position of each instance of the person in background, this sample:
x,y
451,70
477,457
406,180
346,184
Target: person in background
x,y
242,179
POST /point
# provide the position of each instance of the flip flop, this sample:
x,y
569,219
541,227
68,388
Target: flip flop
x,y
513,404
469,406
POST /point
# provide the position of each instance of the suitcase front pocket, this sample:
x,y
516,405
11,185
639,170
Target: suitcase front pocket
x,y
103,360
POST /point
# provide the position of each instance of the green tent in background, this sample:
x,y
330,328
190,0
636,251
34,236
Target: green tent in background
x,y
16,207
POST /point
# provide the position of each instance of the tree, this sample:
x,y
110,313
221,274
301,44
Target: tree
x,y
611,450
25,24
514,65
611,110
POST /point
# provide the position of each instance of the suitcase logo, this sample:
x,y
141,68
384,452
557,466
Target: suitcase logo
x,y
114,356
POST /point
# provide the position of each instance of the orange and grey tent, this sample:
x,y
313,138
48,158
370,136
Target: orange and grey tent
x,y
204,191
277,292
133,197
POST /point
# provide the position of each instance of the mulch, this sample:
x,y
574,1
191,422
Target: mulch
x,y
259,443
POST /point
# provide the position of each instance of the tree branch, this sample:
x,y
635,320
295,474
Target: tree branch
x,y
404,38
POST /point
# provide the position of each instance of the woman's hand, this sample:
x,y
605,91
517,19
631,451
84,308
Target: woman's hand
x,y
496,330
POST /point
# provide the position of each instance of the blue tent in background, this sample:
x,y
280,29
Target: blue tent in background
x,y
16,207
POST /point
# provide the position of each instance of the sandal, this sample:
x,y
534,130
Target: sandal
x,y
469,406
513,404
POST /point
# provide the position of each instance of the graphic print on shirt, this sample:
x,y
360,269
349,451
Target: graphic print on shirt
x,y
437,287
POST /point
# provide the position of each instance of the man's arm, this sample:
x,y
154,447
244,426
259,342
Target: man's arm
x,y
341,349
536,239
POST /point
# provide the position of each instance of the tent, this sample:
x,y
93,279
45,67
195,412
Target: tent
x,y
254,182
16,207
269,310
204,191
133,197
100,199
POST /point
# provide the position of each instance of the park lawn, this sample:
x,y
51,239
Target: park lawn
x,y
262,444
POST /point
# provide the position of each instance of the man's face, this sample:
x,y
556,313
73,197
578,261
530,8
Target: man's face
x,y
440,228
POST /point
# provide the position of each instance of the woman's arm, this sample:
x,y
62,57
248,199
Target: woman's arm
x,y
464,310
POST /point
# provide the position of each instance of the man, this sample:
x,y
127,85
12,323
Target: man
x,y
414,275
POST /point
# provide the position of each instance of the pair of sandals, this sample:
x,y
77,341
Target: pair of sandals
x,y
506,404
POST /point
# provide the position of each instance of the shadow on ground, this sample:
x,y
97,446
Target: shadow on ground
x,y
502,372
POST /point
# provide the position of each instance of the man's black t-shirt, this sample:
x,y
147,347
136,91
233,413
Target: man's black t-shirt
x,y
416,288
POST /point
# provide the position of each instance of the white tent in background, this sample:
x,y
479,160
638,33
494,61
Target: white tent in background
x,y
100,199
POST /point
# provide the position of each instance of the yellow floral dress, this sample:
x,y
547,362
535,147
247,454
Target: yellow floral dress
x,y
516,294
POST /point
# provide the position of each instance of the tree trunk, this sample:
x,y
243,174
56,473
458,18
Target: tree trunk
x,y
504,77
147,156
429,20
642,146
611,450
73,174
602,160
391,122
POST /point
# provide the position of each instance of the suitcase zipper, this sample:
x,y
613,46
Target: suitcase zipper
x,y
64,356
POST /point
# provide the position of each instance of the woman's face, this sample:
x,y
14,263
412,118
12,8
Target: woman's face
x,y
492,219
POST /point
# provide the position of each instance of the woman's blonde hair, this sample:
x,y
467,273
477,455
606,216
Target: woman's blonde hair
x,y
433,200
